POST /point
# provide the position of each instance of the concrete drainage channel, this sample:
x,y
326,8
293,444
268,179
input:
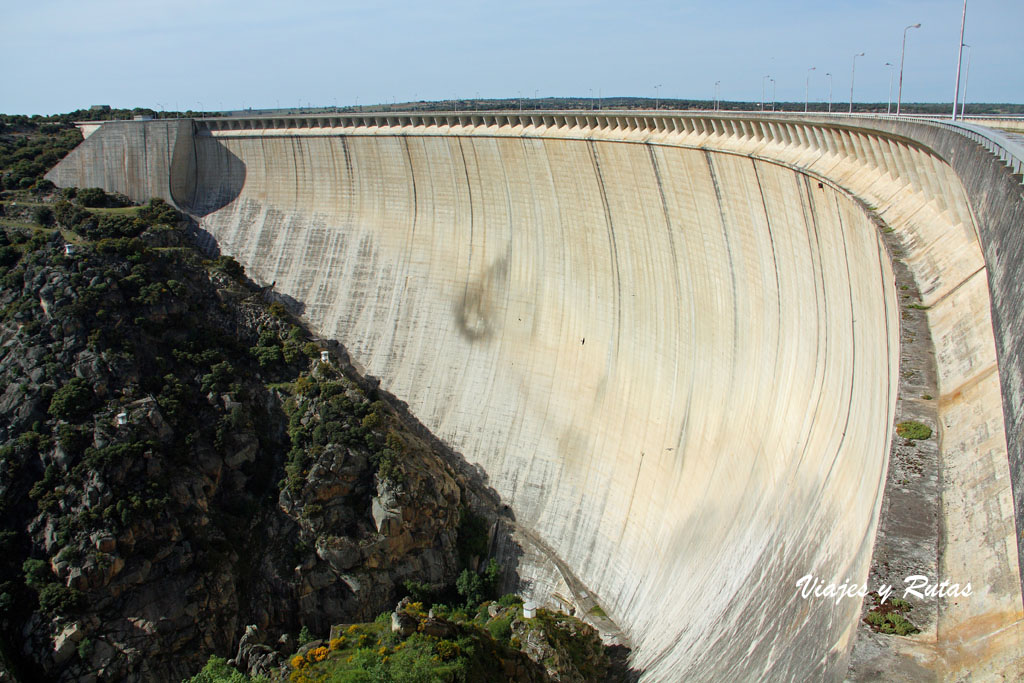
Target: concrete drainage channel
x,y
907,540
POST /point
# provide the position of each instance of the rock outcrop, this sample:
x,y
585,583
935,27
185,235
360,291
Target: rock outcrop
x,y
181,475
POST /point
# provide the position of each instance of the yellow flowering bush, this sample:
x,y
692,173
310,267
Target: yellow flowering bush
x,y
338,643
317,654
447,650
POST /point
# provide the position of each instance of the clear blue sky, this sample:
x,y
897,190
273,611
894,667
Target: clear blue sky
x,y
62,55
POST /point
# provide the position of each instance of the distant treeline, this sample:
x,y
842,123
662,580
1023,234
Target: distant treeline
x,y
644,103
532,104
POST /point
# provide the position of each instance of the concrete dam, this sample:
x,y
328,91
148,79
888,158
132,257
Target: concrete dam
x,y
677,347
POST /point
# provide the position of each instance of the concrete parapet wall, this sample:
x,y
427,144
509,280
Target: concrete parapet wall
x,y
671,342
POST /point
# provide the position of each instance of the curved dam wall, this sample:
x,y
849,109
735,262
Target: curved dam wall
x,y
651,352
671,344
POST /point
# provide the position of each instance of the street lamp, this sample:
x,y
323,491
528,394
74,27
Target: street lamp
x,y
888,108
963,102
773,93
717,83
828,74
903,52
657,94
959,60
853,72
807,87
762,90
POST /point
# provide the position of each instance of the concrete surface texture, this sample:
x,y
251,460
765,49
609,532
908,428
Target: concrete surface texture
x,y
671,342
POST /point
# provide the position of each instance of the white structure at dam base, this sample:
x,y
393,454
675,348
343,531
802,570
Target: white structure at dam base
x,y
672,344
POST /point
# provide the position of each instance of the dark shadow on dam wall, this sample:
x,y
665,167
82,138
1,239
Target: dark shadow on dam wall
x,y
217,176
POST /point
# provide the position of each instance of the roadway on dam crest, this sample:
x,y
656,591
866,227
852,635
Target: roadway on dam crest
x,y
677,365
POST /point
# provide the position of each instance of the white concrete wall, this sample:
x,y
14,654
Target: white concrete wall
x,y
722,430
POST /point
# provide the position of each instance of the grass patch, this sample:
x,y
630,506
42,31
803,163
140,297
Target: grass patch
x,y
914,431
890,617
118,211
597,611
919,307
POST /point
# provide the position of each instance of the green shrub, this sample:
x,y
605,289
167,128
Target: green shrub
x,y
56,598
92,197
159,212
84,649
37,573
43,215
448,650
470,586
218,671
72,400
501,629
419,591
913,430
267,356
229,266
9,256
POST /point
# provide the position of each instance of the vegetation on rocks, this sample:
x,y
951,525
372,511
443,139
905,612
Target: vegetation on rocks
x,y
490,641
175,460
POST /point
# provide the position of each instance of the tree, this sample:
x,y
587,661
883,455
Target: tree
x,y
72,400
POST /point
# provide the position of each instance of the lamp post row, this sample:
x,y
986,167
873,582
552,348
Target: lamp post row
x,y
853,72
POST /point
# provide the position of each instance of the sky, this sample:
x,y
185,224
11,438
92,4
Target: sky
x,y
63,55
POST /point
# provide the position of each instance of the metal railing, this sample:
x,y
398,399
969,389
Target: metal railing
x,y
1008,149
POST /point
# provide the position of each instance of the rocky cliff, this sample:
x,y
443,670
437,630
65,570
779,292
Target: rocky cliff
x,y
177,462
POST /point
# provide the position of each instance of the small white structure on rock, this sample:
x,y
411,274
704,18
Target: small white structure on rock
x,y
122,419
325,357
69,249
529,609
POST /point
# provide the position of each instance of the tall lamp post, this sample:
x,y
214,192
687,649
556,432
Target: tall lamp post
x,y
959,60
773,93
657,97
807,87
828,74
888,107
762,90
717,84
903,53
963,101
853,72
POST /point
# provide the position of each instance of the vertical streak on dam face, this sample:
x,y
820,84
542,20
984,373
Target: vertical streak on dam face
x,y
722,431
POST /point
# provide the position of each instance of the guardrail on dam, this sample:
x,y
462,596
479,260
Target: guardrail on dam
x,y
672,342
